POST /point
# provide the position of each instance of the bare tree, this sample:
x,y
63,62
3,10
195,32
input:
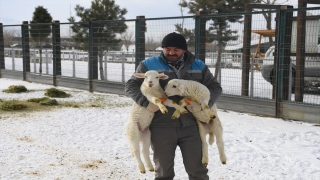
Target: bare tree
x,y
268,15
211,47
181,10
127,39
9,36
151,44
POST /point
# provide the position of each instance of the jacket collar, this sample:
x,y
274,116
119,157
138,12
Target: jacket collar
x,y
188,58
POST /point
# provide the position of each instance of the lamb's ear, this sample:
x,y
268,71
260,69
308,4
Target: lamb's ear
x,y
139,75
163,76
181,87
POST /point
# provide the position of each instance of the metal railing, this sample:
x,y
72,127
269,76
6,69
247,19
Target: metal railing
x,y
252,81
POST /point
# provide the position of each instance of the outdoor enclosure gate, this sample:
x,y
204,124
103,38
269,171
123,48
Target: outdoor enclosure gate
x,y
268,67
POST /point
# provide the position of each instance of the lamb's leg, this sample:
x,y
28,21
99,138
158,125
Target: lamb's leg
x,y
133,135
202,132
206,108
211,131
177,113
211,138
179,109
157,102
146,142
218,131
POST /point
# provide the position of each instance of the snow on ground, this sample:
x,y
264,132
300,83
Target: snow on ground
x,y
90,142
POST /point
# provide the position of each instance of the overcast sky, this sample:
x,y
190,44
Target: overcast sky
x,y
16,11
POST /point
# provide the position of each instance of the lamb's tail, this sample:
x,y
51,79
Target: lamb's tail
x,y
211,138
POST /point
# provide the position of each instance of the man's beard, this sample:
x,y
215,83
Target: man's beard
x,y
172,57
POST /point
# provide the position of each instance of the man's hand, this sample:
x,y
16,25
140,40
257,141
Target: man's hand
x,y
152,107
193,106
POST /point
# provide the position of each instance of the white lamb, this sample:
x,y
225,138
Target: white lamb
x,y
207,119
137,127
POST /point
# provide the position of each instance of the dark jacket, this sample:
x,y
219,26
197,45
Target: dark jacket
x,y
191,69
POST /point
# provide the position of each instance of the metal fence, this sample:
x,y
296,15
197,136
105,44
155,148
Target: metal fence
x,y
269,68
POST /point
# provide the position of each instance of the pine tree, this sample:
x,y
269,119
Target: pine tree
x,y
101,10
40,29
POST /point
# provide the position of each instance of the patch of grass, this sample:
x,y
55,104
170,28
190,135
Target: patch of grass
x,y
25,107
12,105
53,92
49,102
94,105
71,104
15,89
44,101
37,100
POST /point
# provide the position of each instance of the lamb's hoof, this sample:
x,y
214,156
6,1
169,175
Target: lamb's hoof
x,y
184,112
224,162
156,100
164,111
181,103
142,172
151,169
205,163
142,169
174,117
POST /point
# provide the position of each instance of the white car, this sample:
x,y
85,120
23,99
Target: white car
x,y
309,61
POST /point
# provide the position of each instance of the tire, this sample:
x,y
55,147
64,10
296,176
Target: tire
x,y
268,73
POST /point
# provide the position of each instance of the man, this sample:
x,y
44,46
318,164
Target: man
x,y
166,134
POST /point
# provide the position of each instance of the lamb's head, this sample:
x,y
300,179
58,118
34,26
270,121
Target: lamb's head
x,y
174,87
151,78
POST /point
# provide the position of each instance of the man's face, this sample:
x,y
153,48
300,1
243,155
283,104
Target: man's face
x,y
173,53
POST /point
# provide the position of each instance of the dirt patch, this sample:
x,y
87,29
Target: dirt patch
x,y
34,173
94,164
26,139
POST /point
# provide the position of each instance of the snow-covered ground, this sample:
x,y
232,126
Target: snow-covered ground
x,y
90,142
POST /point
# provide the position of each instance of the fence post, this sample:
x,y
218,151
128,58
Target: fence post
x,y
287,51
25,48
73,64
252,75
140,39
2,62
246,51
280,59
301,52
105,66
123,59
56,50
47,62
13,56
93,54
34,62
200,36
290,81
